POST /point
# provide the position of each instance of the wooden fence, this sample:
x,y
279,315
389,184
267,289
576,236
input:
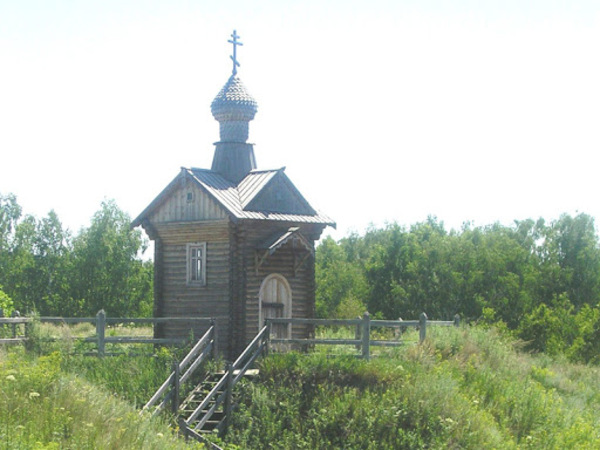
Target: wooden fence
x,y
363,327
20,330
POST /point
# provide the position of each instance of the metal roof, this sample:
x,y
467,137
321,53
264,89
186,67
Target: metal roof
x,y
236,198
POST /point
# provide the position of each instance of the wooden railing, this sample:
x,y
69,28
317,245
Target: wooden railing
x,y
101,323
15,327
169,391
222,391
363,326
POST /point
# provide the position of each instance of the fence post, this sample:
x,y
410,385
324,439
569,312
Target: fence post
x,y
366,335
14,315
100,326
215,351
422,327
27,328
456,320
183,428
400,330
228,397
175,398
269,329
357,333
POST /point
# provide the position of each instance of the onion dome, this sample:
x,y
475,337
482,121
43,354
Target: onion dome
x,y
233,102
233,108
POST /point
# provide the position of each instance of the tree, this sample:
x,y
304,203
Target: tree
x,y
340,282
10,213
107,271
6,304
575,242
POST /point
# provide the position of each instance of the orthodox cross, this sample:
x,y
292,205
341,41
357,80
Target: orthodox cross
x,y
235,43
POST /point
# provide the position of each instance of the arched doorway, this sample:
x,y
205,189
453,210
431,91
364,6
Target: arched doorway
x,y
275,301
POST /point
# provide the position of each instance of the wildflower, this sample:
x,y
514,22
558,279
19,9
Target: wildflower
x,y
34,394
159,435
11,378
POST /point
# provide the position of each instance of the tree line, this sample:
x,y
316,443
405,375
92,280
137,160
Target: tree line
x,y
48,270
538,280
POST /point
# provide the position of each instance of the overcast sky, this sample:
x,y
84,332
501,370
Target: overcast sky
x,y
380,110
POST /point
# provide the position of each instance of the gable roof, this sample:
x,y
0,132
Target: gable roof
x,y
251,199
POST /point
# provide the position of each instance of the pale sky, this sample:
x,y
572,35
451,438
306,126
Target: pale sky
x,y
381,110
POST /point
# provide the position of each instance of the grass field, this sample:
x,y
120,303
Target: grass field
x,y
466,388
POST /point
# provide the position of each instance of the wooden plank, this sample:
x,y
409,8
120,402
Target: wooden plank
x,y
141,340
203,320
395,323
318,322
309,341
441,323
387,343
12,340
67,319
14,320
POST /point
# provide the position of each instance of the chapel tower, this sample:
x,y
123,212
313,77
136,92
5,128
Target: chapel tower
x,y
233,243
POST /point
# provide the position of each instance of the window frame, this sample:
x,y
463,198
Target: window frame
x,y
192,261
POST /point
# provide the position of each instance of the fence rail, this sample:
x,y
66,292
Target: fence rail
x,y
19,329
363,327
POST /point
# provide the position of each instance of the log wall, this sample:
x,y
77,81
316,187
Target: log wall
x,y
233,282
302,280
177,297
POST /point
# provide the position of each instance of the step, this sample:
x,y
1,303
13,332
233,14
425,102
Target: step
x,y
209,426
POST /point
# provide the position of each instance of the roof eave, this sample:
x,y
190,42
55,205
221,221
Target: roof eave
x,y
158,200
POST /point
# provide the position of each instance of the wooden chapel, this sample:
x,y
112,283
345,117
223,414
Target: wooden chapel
x,y
233,242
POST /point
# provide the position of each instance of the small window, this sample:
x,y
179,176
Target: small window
x,y
190,197
196,264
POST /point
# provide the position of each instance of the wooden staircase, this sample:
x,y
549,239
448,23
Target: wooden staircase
x,y
216,408
207,408
209,400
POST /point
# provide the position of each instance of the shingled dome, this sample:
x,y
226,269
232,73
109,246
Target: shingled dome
x,y
233,102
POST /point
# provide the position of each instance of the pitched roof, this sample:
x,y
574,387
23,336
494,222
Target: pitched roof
x,y
255,189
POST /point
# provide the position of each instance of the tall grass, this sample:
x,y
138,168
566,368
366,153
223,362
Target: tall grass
x,y
462,388
42,407
134,379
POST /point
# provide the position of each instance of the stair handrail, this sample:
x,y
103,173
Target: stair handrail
x,y
241,365
196,356
252,351
213,393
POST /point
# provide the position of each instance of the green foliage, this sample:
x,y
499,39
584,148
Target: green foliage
x,y
41,407
341,284
540,280
551,329
108,273
6,304
134,379
463,388
43,268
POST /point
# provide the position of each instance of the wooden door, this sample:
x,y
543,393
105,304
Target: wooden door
x,y
275,302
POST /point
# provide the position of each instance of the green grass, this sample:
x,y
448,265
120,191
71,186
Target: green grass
x,y
463,388
468,388
43,407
